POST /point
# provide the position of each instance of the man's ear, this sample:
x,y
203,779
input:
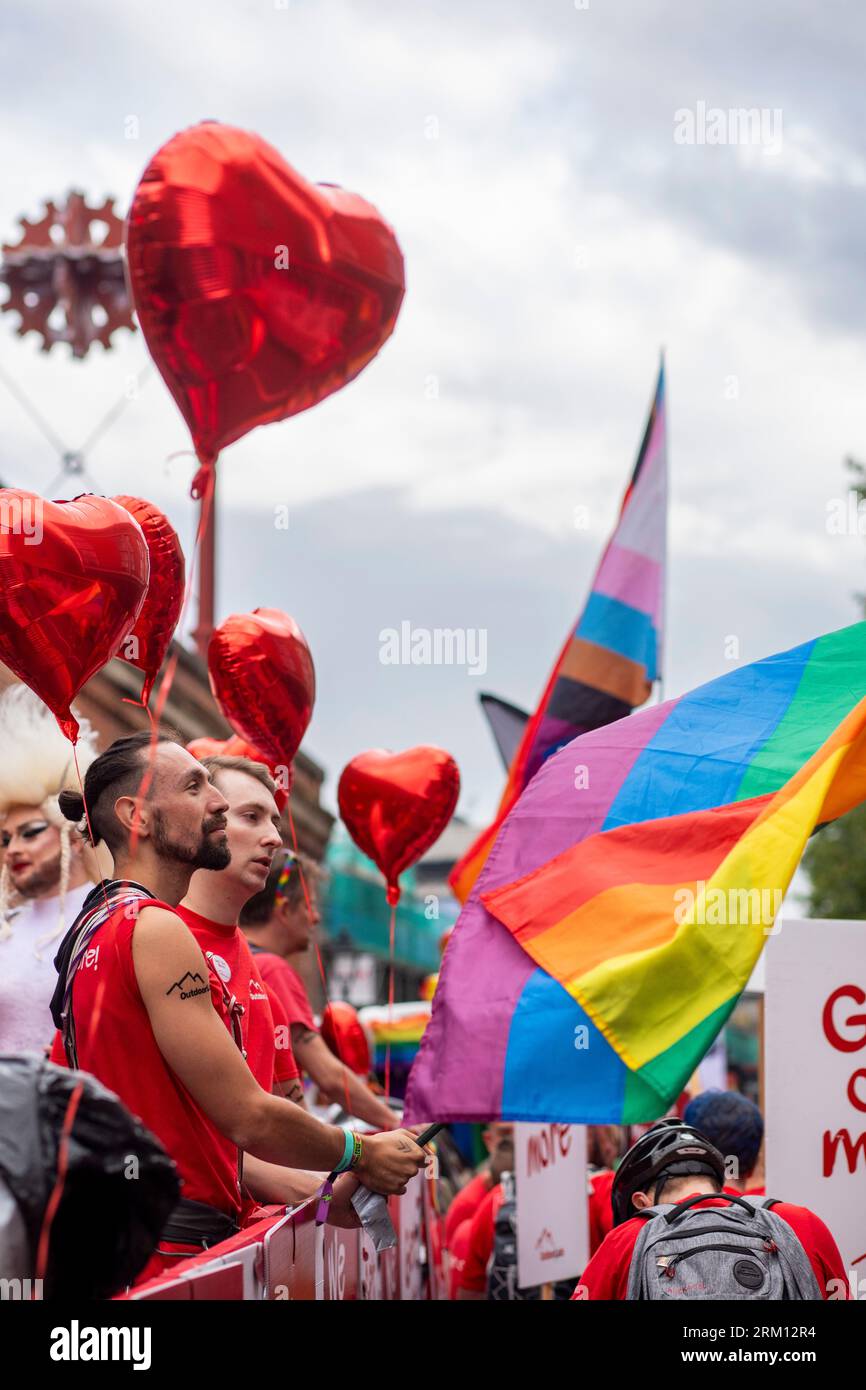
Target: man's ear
x,y
641,1200
132,813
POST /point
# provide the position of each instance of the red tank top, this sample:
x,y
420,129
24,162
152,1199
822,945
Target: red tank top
x,y
264,1030
116,1045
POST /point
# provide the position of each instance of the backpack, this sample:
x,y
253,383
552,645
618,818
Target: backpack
x,y
502,1270
739,1252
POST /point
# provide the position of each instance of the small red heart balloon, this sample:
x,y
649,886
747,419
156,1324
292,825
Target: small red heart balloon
x,y
145,647
263,679
73,578
235,747
258,293
344,1033
396,805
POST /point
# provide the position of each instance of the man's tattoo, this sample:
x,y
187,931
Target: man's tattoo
x,y
186,985
307,1035
296,1093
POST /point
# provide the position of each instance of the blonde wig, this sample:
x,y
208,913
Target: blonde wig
x,y
36,764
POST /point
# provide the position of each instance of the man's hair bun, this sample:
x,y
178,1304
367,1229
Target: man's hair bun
x,y
71,805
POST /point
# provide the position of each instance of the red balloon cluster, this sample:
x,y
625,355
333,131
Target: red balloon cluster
x,y
73,579
396,805
159,615
258,293
235,747
263,679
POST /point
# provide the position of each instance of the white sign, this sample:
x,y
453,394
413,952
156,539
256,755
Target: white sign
x,y
815,1077
552,1216
353,978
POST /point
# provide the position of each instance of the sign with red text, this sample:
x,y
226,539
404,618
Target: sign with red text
x,y
552,1214
815,1077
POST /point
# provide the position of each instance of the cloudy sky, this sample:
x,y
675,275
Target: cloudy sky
x,y
556,234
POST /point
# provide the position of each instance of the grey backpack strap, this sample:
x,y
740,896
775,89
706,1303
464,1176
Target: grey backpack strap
x,y
797,1262
636,1282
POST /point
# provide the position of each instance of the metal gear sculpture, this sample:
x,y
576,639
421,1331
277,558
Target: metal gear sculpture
x,y
65,283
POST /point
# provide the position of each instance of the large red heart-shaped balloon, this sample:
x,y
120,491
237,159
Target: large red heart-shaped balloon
x,y
396,805
73,578
263,679
145,647
258,293
235,747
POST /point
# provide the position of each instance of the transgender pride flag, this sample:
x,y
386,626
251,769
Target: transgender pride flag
x,y
613,655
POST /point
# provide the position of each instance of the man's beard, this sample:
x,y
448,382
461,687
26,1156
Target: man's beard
x,y
207,854
42,882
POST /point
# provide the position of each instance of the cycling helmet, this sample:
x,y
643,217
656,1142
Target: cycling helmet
x,y
670,1148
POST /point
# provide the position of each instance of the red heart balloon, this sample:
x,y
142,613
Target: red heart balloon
x,y
258,293
73,578
263,679
235,747
145,647
344,1033
396,805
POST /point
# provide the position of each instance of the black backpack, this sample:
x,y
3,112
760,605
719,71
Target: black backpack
x,y
502,1270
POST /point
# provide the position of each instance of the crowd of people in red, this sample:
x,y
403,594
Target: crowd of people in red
x,y
682,1168
174,987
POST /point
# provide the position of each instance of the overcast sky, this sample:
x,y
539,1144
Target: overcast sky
x,y
555,236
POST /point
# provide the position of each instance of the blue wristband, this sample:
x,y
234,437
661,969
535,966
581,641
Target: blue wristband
x,y
348,1152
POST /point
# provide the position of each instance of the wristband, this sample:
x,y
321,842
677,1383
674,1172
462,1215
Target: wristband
x,y
348,1153
357,1151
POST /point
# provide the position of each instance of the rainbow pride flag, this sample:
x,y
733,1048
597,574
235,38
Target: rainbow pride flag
x,y
631,892
398,1026
611,658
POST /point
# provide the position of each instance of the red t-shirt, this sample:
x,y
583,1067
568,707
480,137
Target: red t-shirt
x,y
457,1252
287,985
481,1230
600,1209
480,1244
465,1204
264,1024
116,1044
606,1275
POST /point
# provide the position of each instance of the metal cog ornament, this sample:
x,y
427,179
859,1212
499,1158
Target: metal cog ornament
x,y
65,282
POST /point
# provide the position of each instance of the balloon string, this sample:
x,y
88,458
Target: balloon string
x,y
94,1020
167,681
391,932
322,976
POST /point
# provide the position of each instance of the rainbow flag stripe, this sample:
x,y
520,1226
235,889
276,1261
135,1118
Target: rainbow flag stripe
x,y
612,656
632,890
401,1028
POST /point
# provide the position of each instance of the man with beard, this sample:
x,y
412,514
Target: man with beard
x,y
47,870
210,910
133,1003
